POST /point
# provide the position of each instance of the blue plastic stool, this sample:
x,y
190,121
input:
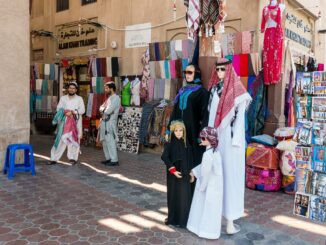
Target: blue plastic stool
x,y
10,165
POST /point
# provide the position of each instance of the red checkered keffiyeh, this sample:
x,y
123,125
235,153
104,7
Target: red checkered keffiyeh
x,y
233,94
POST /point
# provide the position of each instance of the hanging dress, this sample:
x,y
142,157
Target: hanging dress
x,y
273,43
125,94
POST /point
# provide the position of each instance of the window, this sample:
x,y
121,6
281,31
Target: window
x,y
84,2
62,5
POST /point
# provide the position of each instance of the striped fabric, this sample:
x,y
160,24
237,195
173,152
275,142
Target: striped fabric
x,y
210,11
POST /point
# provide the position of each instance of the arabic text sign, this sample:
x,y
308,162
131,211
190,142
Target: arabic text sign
x,y
74,36
138,35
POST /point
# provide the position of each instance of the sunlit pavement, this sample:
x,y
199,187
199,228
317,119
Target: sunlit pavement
x,y
92,204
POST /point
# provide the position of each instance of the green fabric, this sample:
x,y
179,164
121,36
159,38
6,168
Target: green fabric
x,y
125,95
45,87
59,119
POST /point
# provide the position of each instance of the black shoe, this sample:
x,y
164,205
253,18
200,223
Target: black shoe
x,y
73,162
112,164
166,221
51,163
105,162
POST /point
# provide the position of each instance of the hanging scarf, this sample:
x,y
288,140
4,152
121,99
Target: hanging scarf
x,y
233,94
183,95
59,119
193,17
70,131
146,75
210,11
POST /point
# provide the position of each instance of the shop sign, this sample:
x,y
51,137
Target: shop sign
x,y
74,36
292,19
297,38
138,35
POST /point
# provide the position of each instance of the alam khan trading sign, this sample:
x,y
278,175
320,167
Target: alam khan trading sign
x,y
76,37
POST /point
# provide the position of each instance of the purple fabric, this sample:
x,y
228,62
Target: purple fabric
x,y
188,88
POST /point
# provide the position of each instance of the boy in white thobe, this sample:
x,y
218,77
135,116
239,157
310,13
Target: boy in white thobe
x,y
206,208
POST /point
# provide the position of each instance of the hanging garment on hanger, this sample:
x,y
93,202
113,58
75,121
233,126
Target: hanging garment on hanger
x,y
145,77
135,91
210,11
126,94
193,15
273,43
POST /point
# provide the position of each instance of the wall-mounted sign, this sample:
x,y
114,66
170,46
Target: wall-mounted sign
x,y
297,38
299,23
72,36
138,35
298,28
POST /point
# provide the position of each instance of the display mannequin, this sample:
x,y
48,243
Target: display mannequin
x,y
190,106
273,41
227,105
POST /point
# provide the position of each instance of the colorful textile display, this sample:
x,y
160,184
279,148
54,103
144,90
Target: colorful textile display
x,y
273,44
263,180
177,49
45,71
228,44
262,156
98,84
104,67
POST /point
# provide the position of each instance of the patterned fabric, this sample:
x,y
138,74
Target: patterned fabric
x,y
210,11
144,122
288,184
184,94
210,134
145,77
193,17
263,180
128,130
261,156
256,110
273,46
233,89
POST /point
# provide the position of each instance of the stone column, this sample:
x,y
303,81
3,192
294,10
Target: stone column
x,y
14,70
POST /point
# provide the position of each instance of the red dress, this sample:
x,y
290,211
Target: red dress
x,y
273,45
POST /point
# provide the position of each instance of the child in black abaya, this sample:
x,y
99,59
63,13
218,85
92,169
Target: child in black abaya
x,y
177,156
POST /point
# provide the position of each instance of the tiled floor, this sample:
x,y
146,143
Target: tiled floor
x,y
92,204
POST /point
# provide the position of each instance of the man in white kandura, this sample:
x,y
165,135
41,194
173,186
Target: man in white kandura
x,y
69,130
109,123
